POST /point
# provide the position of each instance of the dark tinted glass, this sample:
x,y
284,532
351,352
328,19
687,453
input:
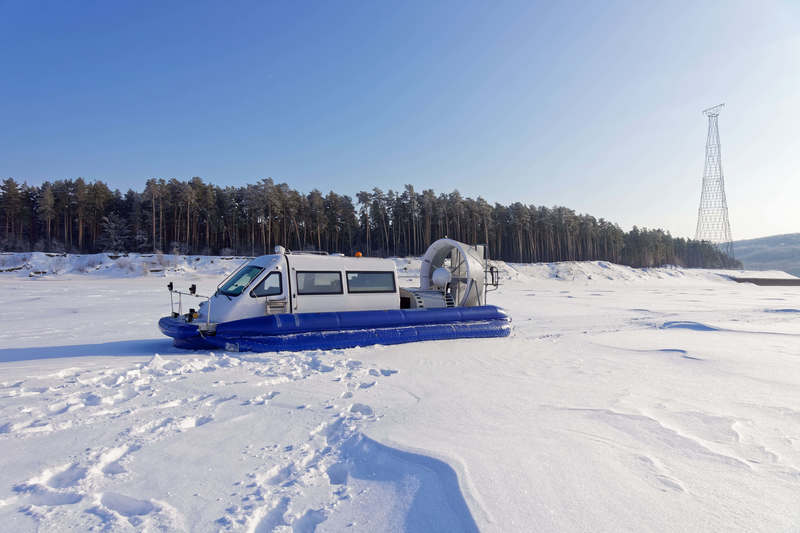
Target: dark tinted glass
x,y
269,286
319,283
370,282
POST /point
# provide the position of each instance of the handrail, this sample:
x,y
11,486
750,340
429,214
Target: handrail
x,y
193,293
307,252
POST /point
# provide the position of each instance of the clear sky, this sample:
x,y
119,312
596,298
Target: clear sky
x,y
591,105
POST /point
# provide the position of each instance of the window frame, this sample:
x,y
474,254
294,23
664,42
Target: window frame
x,y
394,282
244,288
280,285
303,293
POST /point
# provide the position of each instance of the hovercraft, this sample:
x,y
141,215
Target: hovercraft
x,y
304,301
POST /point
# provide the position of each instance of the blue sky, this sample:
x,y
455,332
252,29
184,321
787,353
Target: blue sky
x,y
592,105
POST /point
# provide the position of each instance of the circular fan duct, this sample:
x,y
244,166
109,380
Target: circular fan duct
x,y
463,263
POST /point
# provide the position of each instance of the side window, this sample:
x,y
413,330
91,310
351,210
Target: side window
x,y
370,282
319,283
269,286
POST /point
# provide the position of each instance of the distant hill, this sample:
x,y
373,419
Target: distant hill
x,y
778,252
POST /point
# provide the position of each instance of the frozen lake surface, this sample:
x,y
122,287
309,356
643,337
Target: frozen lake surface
x,y
624,400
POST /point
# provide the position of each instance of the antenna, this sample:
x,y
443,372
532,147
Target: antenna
x,y
712,216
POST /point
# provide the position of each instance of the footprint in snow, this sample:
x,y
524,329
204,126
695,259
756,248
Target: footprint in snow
x,y
274,517
59,408
30,391
278,475
177,425
127,506
109,461
42,496
141,514
203,420
92,399
361,409
309,521
67,477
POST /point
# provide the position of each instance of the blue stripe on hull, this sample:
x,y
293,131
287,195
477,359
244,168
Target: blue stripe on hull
x,y
349,320
325,331
330,340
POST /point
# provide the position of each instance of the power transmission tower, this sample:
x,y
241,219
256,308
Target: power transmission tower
x,y
712,216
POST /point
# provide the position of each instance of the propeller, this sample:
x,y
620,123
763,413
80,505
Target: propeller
x,y
452,267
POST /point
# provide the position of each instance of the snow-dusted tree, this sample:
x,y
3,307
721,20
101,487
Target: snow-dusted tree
x,y
115,234
12,206
140,240
151,192
47,208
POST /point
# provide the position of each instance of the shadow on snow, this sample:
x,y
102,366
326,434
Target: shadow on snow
x,y
143,347
437,503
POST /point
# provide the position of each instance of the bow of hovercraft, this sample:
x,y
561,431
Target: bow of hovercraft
x,y
184,334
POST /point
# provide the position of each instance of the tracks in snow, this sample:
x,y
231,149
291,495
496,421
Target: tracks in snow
x,y
126,416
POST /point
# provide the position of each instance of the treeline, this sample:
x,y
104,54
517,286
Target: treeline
x,y
200,218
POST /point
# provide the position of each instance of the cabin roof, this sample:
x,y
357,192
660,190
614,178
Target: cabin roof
x,y
323,262
336,262
266,261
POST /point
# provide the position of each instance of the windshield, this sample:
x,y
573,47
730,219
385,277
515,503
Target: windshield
x,y
240,281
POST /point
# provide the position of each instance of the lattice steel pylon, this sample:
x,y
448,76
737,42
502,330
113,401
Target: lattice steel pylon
x,y
712,216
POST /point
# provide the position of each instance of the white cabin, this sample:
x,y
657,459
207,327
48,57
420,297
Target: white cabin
x,y
452,274
303,283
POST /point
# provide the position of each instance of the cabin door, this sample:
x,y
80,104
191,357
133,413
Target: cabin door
x,y
272,289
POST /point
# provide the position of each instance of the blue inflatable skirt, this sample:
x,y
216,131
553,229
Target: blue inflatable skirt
x,y
325,331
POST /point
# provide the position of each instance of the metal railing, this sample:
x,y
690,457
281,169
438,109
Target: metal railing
x,y
192,293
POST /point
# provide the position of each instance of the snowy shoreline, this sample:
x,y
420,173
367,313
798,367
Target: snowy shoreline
x,y
38,264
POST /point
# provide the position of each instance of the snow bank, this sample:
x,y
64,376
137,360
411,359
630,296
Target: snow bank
x,y
115,265
602,271
37,264
131,265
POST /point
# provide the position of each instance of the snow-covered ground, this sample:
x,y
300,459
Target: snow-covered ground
x,y
625,400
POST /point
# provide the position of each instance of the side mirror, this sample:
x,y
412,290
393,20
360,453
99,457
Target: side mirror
x,y
495,275
192,288
169,286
